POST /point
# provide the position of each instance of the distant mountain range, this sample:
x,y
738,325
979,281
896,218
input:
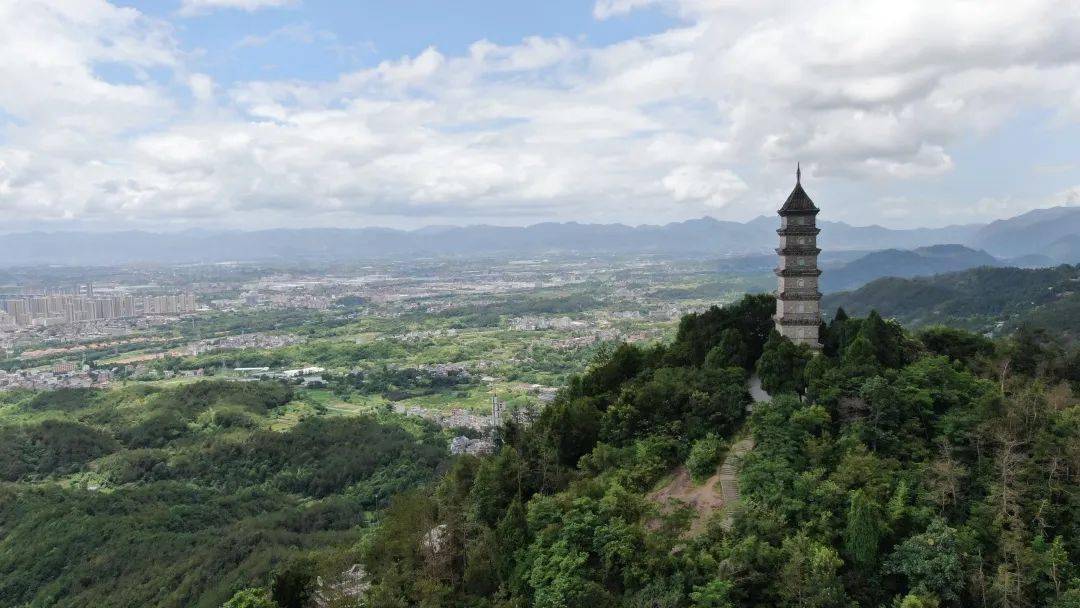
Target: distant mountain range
x,y
1052,232
982,299
1045,236
921,261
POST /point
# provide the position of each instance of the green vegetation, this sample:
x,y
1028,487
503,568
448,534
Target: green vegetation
x,y
181,496
704,455
982,299
909,473
895,469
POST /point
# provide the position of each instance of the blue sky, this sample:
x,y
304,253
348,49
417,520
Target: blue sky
x,y
319,39
171,114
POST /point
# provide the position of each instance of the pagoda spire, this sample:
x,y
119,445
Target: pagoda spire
x,y
798,173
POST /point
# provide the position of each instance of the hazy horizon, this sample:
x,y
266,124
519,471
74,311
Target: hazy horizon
x,y
167,229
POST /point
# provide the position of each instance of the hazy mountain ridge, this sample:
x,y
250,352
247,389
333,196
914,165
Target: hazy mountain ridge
x,y
921,261
1024,235
1029,232
704,236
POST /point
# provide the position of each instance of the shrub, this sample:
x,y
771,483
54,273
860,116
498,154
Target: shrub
x,y
704,456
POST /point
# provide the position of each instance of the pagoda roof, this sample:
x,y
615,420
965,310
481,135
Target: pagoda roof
x,y
798,201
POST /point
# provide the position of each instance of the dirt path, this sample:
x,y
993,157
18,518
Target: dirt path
x,y
719,492
715,494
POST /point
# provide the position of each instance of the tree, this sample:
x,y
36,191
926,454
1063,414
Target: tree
x,y
863,531
730,352
895,412
703,457
714,594
256,597
1069,599
1053,562
859,357
884,338
839,333
808,579
557,577
512,533
1026,350
931,562
495,486
917,601
571,427
819,381
956,344
782,365
698,333
292,587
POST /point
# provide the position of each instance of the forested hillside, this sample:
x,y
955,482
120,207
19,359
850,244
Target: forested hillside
x,y
914,470
181,496
937,468
981,299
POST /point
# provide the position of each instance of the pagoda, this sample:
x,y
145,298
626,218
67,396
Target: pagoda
x,y
798,301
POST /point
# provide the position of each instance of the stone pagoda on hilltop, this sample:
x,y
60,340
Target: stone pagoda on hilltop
x,y
798,306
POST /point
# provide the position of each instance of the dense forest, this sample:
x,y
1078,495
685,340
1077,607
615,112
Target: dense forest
x,y
181,496
897,469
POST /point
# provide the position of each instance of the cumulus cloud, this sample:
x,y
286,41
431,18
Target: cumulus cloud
x,y
709,115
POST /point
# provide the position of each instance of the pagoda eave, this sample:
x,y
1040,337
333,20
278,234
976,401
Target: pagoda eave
x,y
799,296
790,212
792,272
798,251
804,320
798,231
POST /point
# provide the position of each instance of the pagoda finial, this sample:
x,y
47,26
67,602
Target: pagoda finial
x,y
798,173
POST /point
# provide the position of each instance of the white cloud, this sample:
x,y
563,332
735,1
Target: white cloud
x,y
1070,197
303,33
708,115
606,9
202,87
200,7
713,187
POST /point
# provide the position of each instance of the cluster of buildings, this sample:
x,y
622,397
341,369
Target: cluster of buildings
x,y
534,323
246,341
60,375
58,309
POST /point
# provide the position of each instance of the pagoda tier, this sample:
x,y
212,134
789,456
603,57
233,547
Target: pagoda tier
x,y
805,319
795,271
798,231
799,295
797,251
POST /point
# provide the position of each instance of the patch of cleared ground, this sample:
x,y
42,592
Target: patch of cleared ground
x,y
715,494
